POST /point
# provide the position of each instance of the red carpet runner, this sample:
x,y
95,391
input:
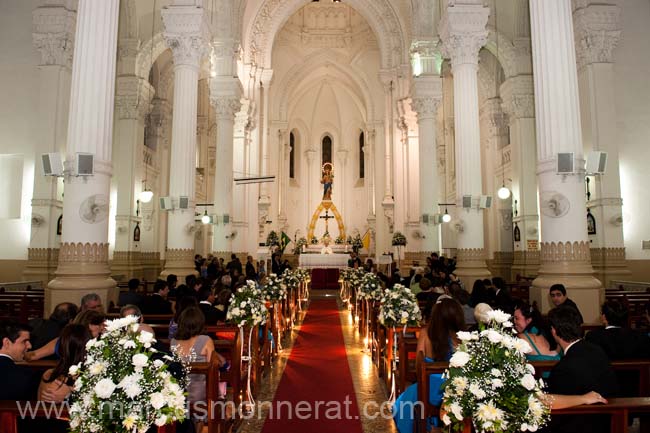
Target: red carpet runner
x,y
317,371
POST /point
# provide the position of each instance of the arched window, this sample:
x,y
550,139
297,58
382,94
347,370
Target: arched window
x,y
292,156
326,153
362,156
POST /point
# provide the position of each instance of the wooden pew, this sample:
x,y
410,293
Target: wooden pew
x,y
21,307
387,337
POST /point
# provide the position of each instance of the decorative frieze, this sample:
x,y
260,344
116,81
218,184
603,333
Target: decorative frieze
x,y
553,252
71,253
597,30
53,34
42,256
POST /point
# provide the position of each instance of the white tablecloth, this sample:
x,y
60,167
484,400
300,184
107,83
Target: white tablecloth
x,y
323,261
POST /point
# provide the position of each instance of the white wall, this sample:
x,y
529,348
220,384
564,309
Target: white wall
x,y
19,86
632,72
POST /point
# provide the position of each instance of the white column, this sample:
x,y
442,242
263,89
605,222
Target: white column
x,y
132,102
369,182
186,33
388,80
427,94
240,222
225,94
565,256
519,105
284,150
264,202
341,195
463,34
53,37
83,258
597,32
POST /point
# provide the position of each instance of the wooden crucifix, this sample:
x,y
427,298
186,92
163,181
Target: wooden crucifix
x,y
327,217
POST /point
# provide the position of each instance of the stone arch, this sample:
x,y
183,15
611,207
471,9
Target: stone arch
x,y
143,59
289,87
507,52
380,14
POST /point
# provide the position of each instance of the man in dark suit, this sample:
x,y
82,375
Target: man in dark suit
x,y
205,304
45,330
583,368
251,273
157,302
502,299
557,292
18,382
132,297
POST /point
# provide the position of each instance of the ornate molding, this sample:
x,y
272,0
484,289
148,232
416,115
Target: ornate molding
x,y
463,32
45,255
470,254
426,107
607,255
186,34
133,96
596,32
78,253
518,97
225,107
128,49
45,202
53,34
573,252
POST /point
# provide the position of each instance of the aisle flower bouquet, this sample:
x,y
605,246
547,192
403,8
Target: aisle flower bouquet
x,y
399,239
303,274
399,307
275,289
489,381
122,386
290,278
247,306
371,287
352,276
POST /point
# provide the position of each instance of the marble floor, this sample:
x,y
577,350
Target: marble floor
x,y
370,391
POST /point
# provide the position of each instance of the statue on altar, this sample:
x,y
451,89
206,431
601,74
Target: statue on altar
x,y
327,180
326,245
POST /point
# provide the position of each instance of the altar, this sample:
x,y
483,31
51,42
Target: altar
x,y
323,261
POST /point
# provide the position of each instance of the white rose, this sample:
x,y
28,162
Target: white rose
x,y
530,368
497,383
73,370
104,388
465,336
496,373
145,337
90,343
522,346
158,363
139,360
129,344
96,368
459,359
157,400
493,336
498,316
528,381
161,421
235,312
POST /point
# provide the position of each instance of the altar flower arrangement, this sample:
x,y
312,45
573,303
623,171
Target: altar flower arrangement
x,y
357,243
297,250
247,306
272,239
489,381
398,239
371,287
123,385
340,240
399,307
314,240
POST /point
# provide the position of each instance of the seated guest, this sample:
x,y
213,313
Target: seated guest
x,y
132,296
181,305
157,302
92,301
45,330
172,280
91,319
415,283
192,345
18,382
480,294
427,296
463,298
530,327
133,310
583,368
437,342
72,350
502,299
250,269
221,304
557,292
206,298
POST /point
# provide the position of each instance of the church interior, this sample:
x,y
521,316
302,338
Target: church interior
x,y
457,141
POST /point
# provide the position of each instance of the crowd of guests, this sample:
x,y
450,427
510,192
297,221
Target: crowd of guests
x,y
582,375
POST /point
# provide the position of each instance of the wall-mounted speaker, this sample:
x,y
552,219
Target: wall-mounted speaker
x,y
566,163
84,164
596,162
467,201
425,218
52,164
226,218
166,203
183,202
485,201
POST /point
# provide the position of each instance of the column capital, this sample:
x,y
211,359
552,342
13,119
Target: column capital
x,y
225,96
597,30
426,94
186,33
53,29
463,32
428,51
133,97
517,94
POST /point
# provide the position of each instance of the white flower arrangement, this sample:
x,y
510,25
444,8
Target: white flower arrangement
x,y
303,274
119,388
489,381
354,277
370,287
290,278
275,288
398,239
247,306
399,307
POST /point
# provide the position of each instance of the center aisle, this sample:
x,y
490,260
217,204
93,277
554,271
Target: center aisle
x,y
317,371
